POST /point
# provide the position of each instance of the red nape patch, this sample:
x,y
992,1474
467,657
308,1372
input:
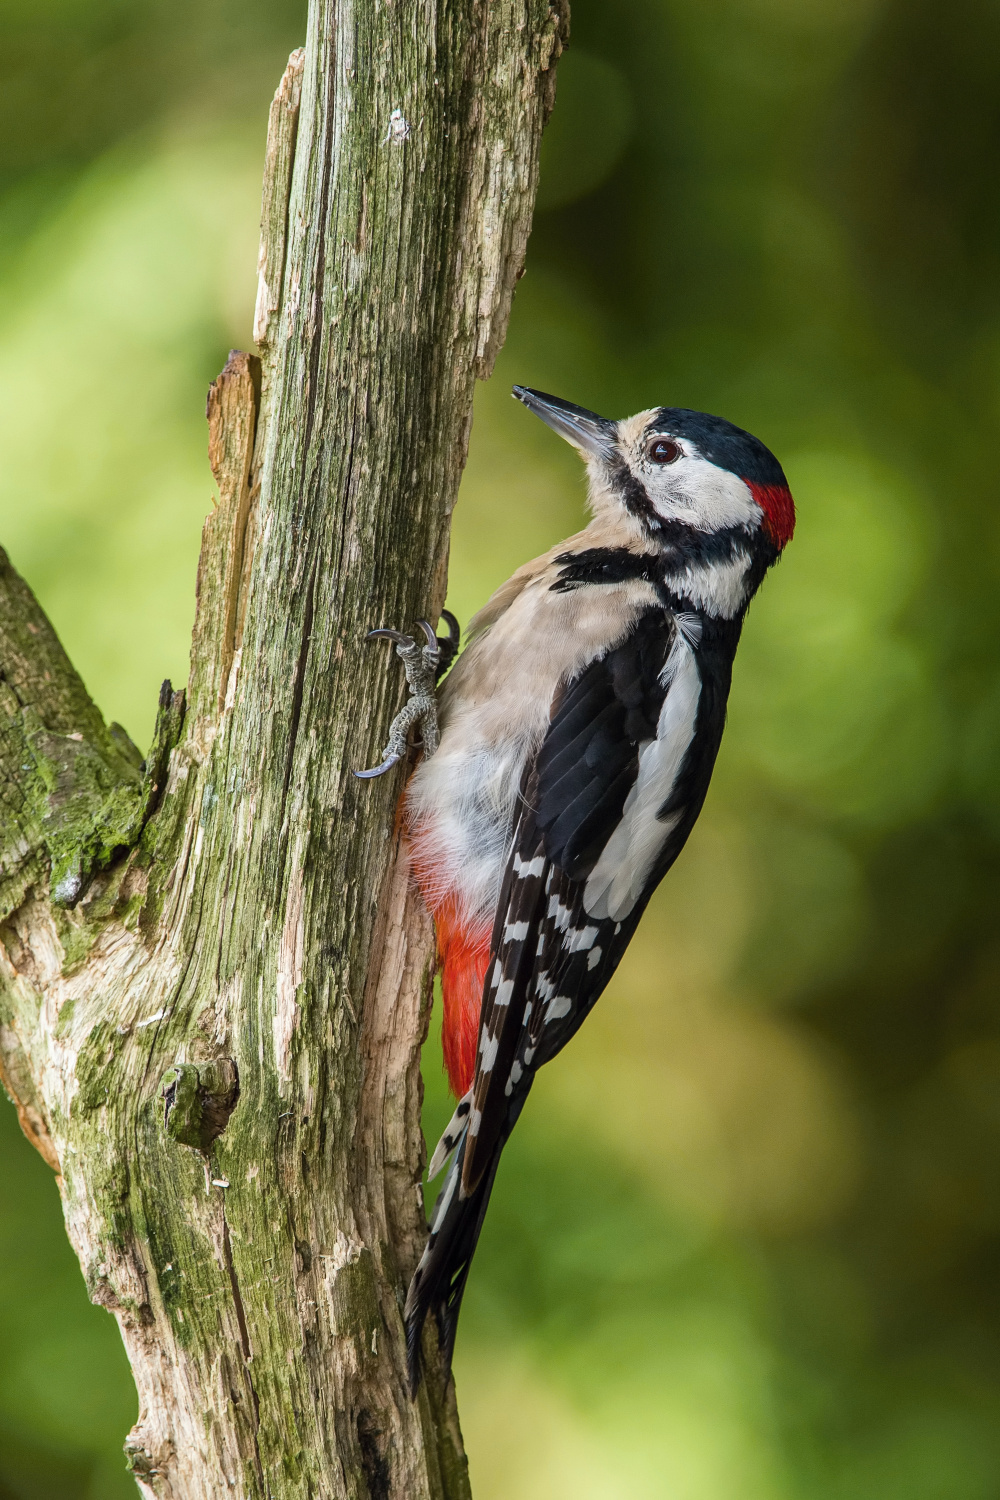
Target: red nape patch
x,y
775,500
463,956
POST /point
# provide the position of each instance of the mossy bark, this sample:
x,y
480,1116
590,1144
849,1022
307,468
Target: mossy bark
x,y
214,972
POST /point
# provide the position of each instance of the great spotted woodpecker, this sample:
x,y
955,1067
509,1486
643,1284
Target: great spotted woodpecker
x,y
578,733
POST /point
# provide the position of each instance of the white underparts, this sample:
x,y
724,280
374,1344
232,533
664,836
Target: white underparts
x,y
461,806
627,859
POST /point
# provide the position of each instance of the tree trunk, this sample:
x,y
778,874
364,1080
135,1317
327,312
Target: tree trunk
x,y
215,974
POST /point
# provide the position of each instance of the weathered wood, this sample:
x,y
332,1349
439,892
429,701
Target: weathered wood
x,y
226,547
215,972
282,130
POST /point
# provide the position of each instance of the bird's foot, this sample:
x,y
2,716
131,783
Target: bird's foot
x,y
423,665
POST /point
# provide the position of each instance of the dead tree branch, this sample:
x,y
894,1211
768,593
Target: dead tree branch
x,y
213,971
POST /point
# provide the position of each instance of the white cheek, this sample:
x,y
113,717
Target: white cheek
x,y
703,496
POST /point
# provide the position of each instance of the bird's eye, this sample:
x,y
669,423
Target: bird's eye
x,y
662,450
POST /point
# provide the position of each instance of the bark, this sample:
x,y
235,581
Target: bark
x,y
215,973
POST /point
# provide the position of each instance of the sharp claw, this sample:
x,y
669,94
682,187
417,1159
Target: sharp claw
x,y
454,629
387,765
384,634
428,629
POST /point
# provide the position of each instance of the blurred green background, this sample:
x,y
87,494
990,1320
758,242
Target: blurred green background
x,y
744,1244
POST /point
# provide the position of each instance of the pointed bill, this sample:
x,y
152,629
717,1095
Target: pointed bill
x,y
593,435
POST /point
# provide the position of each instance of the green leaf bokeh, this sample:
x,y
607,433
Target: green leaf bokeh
x,y
744,1245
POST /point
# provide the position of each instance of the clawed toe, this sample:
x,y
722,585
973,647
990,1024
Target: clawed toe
x,y
448,645
432,640
384,634
423,666
454,629
387,765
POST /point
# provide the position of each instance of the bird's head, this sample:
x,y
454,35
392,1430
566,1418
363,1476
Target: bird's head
x,y
676,470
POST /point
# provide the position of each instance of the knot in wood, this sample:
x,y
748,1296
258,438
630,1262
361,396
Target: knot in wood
x,y
198,1100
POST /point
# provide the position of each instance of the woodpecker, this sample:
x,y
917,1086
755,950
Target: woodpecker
x,y
578,733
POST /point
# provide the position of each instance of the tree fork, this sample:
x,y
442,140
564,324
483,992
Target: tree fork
x,y
214,972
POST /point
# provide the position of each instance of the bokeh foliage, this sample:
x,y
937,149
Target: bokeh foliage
x,y
744,1242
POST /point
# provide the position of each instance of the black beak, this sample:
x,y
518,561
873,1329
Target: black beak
x,y
593,435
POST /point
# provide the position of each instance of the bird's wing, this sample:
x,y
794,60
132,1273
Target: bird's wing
x,y
556,939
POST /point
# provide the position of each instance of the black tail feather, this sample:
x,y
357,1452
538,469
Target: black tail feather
x,y
439,1280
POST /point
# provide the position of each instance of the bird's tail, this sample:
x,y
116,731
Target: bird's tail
x,y
439,1280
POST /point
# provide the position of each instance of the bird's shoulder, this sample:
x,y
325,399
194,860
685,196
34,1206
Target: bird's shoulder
x,y
583,600
601,537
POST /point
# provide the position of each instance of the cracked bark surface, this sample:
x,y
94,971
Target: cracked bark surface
x,y
214,972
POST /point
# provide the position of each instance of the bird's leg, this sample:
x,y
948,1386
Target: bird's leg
x,y
420,663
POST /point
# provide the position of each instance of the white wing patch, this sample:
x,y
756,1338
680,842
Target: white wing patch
x,y
580,939
504,993
620,875
558,1007
451,1137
